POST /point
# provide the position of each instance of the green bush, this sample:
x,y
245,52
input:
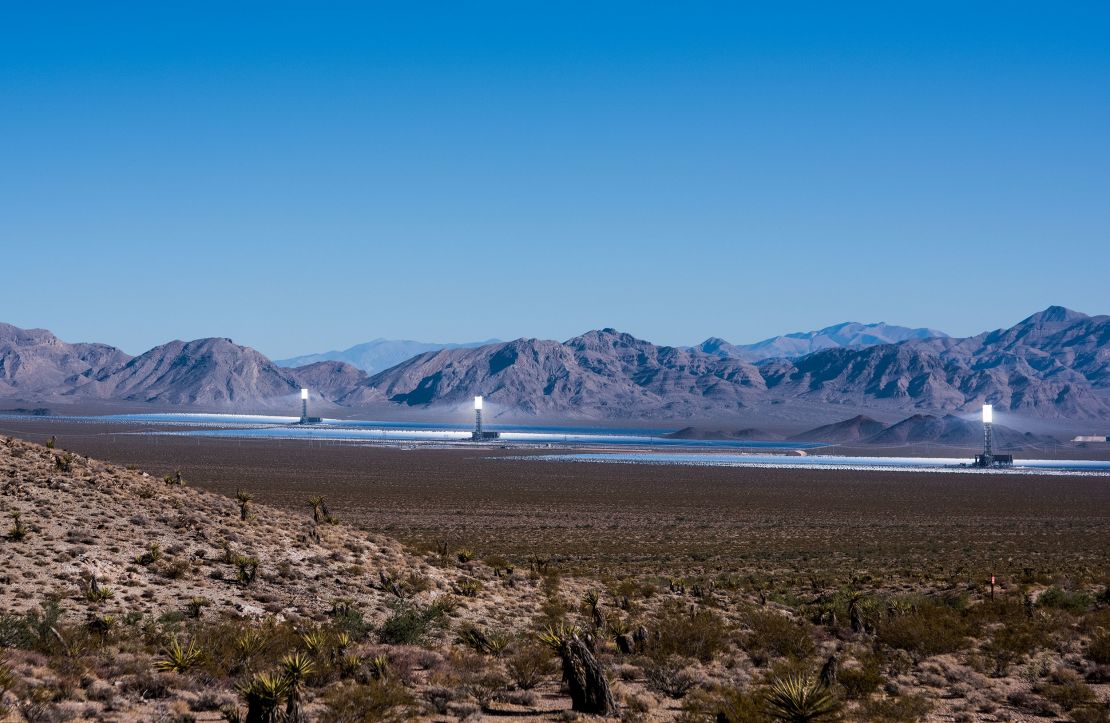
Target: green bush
x,y
409,624
931,630
772,635
1075,601
860,682
699,635
1098,650
374,701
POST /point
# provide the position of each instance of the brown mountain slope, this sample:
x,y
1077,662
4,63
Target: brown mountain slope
x,y
36,364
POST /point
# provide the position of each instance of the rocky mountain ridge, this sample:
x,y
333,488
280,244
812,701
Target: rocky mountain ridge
x,y
1054,364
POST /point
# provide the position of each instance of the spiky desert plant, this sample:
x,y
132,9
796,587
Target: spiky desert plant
x,y
379,667
263,695
316,502
177,658
557,636
244,499
314,641
465,554
799,699
196,605
247,568
153,554
295,667
249,644
470,588
19,530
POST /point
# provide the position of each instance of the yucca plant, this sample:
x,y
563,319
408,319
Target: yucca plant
x,y
465,554
244,499
470,588
246,567
19,530
316,502
264,694
379,667
249,644
295,667
799,699
557,636
178,659
314,641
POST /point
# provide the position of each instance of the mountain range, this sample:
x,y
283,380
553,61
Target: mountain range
x,y
378,354
849,335
1054,364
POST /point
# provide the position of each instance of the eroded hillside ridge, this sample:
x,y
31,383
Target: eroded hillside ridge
x,y
1054,364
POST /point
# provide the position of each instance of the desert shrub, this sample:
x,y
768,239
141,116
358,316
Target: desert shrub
x,y
34,630
469,587
1066,689
1074,601
931,630
903,709
671,677
484,686
410,623
378,700
1012,642
529,664
346,618
1098,650
724,705
860,682
772,635
700,634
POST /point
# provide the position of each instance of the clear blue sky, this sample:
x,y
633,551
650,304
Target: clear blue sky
x,y
305,176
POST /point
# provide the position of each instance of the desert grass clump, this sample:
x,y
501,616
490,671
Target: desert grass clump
x,y
376,700
672,677
724,705
861,680
798,699
529,664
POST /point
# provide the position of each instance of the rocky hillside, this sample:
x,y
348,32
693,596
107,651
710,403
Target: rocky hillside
x,y
1053,364
849,335
36,364
599,374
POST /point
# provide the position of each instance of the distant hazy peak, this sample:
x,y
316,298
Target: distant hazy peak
x,y
1055,315
848,334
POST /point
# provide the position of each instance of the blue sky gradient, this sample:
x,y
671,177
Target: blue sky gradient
x,y
306,176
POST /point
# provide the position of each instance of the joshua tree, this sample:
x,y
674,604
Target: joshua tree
x,y
19,530
593,601
264,694
316,502
583,674
828,671
244,504
854,614
295,668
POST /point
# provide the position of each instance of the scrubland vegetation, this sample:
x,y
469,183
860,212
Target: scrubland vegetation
x,y
127,596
